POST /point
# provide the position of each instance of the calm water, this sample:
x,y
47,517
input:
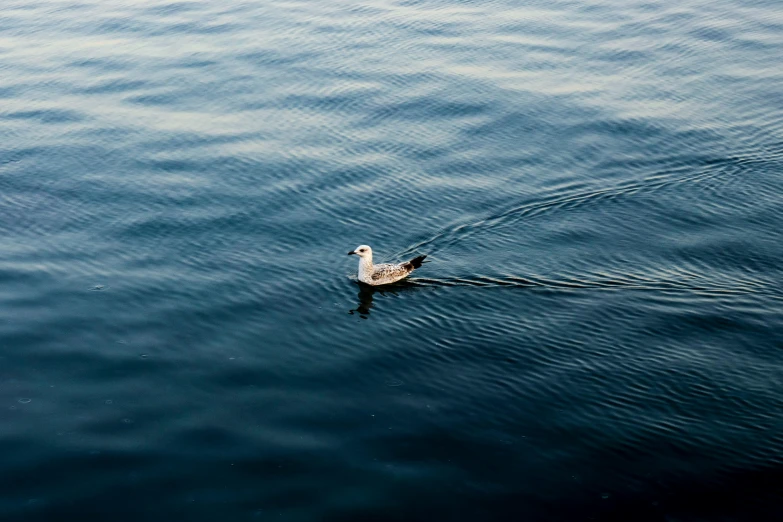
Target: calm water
x,y
598,334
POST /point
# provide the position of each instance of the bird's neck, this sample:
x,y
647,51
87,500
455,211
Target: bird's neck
x,y
365,266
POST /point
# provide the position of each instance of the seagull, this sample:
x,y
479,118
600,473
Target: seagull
x,y
385,273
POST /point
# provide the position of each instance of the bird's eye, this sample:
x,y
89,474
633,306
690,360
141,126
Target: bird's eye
x,y
362,250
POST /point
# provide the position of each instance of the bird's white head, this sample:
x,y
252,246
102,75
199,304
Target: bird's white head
x,y
362,251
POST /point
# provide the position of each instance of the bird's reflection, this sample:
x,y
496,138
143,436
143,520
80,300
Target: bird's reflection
x,y
367,293
365,296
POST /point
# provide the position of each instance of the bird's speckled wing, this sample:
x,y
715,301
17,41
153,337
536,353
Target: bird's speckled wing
x,y
388,273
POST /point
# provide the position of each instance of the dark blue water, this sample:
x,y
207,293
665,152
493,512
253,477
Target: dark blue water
x,y
598,333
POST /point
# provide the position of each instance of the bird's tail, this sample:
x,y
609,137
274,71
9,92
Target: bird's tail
x,y
416,261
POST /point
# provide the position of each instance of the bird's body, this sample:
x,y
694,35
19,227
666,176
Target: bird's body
x,y
382,274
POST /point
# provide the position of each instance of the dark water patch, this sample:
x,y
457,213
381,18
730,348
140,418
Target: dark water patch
x,y
102,64
112,86
154,99
171,8
45,116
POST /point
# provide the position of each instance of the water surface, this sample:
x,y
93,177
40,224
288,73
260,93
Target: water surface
x,y
598,333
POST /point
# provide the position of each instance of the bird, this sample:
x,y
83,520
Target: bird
x,y
382,274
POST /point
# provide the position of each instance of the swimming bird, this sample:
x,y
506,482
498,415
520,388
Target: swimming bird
x,y
385,273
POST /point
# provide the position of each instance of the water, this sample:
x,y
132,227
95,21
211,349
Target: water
x,y
598,333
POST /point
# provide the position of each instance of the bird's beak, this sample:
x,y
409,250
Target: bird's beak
x,y
351,252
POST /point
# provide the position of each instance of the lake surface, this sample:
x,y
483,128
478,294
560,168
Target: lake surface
x,y
597,333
